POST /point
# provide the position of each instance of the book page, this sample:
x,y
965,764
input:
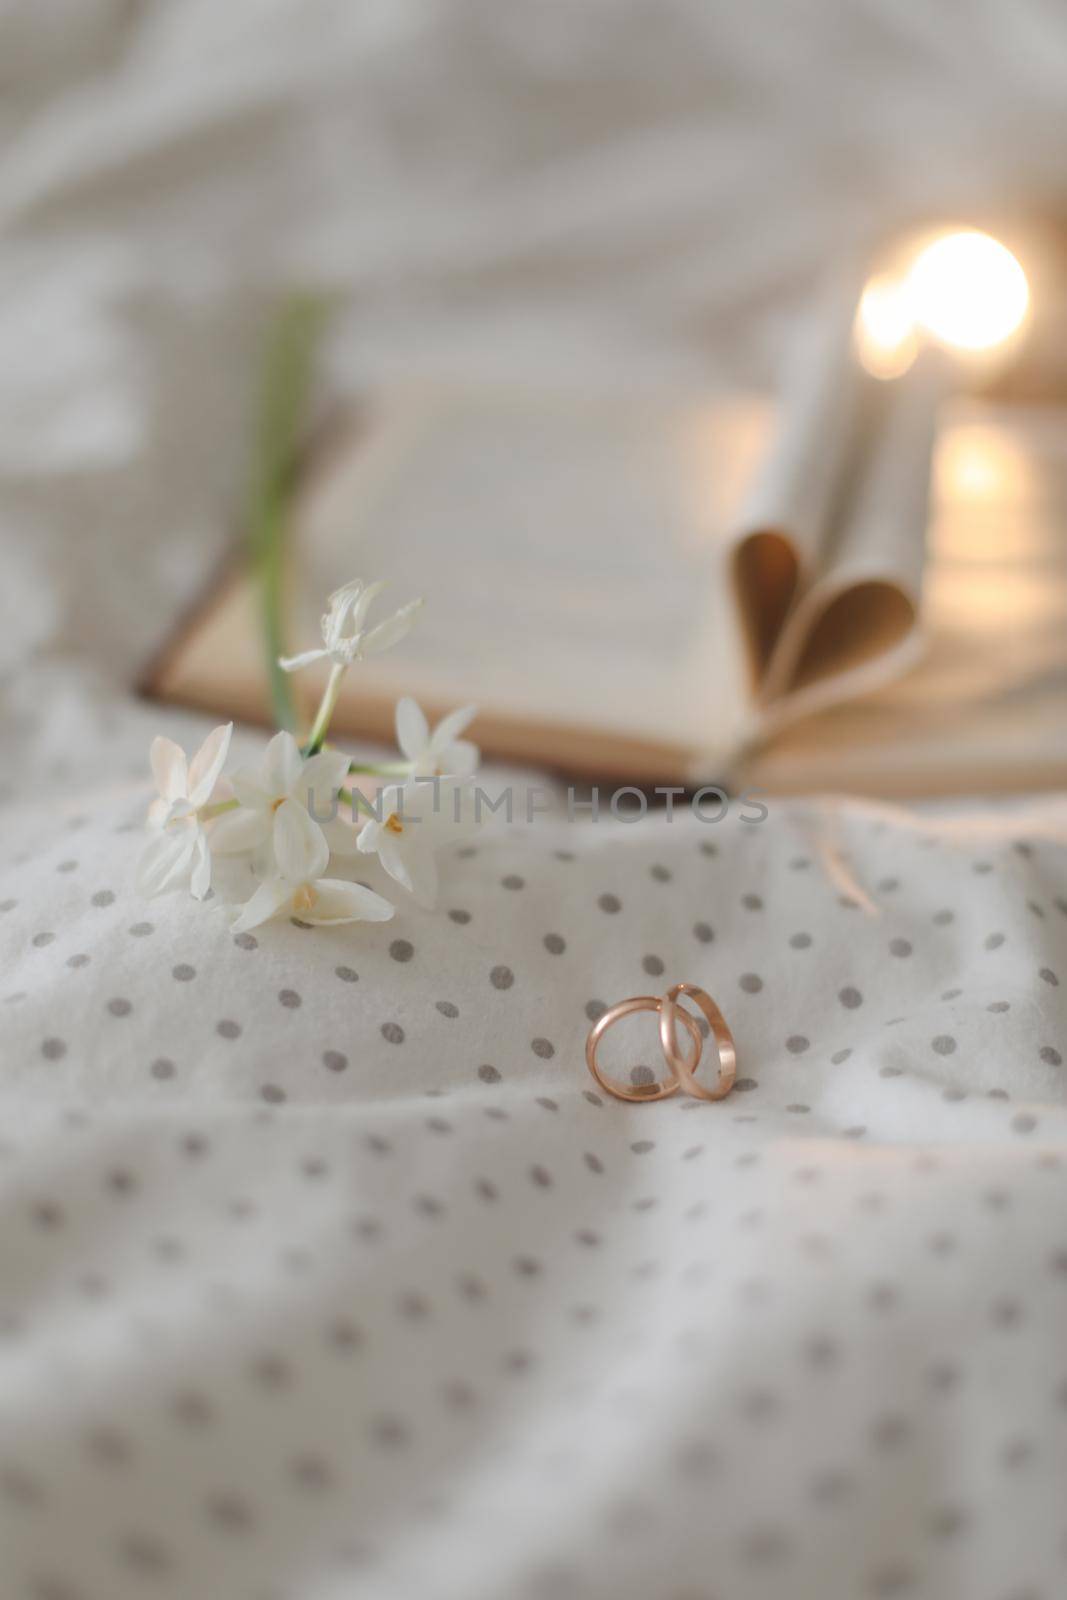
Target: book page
x,y
829,557
570,551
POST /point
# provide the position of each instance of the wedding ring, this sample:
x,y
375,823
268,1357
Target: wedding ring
x,y
670,1013
654,1090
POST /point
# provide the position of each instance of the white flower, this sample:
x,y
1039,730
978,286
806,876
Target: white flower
x,y
440,753
414,817
286,800
302,856
350,605
179,854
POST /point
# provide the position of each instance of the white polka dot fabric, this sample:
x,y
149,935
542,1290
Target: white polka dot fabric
x,y
326,1273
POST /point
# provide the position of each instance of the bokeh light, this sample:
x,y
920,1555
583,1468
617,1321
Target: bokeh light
x,y
964,290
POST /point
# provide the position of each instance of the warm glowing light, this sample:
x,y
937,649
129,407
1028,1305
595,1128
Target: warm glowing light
x,y
885,328
967,291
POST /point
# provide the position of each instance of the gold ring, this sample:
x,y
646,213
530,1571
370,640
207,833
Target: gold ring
x,y
651,1091
669,1015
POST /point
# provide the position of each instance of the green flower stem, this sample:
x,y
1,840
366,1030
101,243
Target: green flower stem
x,y
320,727
208,812
382,769
284,387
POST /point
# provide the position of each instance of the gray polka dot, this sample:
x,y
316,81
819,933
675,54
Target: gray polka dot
x,y
334,1060
488,1074
751,982
554,944
141,930
77,961
653,966
346,974
246,941
447,1009
162,1068
502,977
461,918
850,997
401,950
1047,974
1050,1056
899,948
513,881
53,1049
943,918
119,1007
40,940
289,999
183,973
994,941
745,1085
229,1511
796,1044
1024,1122
839,1056
392,1033
659,873
943,1045
103,897
801,941
227,1029
952,994
543,1048
642,1077
703,932
610,903
752,902
998,1007
595,1009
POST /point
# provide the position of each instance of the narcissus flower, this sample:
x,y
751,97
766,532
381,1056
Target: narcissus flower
x,y
299,888
441,753
287,795
415,817
179,856
345,635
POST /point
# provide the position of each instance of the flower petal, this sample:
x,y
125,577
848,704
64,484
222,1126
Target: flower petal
x,y
319,781
391,631
422,873
394,860
337,902
306,658
169,768
361,604
412,729
200,882
300,849
250,789
270,898
449,728
165,862
282,762
462,758
207,764
239,830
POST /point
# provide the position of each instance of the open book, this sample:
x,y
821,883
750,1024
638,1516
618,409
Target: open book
x,y
661,588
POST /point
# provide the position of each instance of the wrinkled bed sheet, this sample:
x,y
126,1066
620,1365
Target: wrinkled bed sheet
x,y
326,1271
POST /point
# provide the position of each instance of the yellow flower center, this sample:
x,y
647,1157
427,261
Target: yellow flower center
x,y
304,898
394,824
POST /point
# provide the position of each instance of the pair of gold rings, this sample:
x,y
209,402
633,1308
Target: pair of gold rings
x,y
681,1068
